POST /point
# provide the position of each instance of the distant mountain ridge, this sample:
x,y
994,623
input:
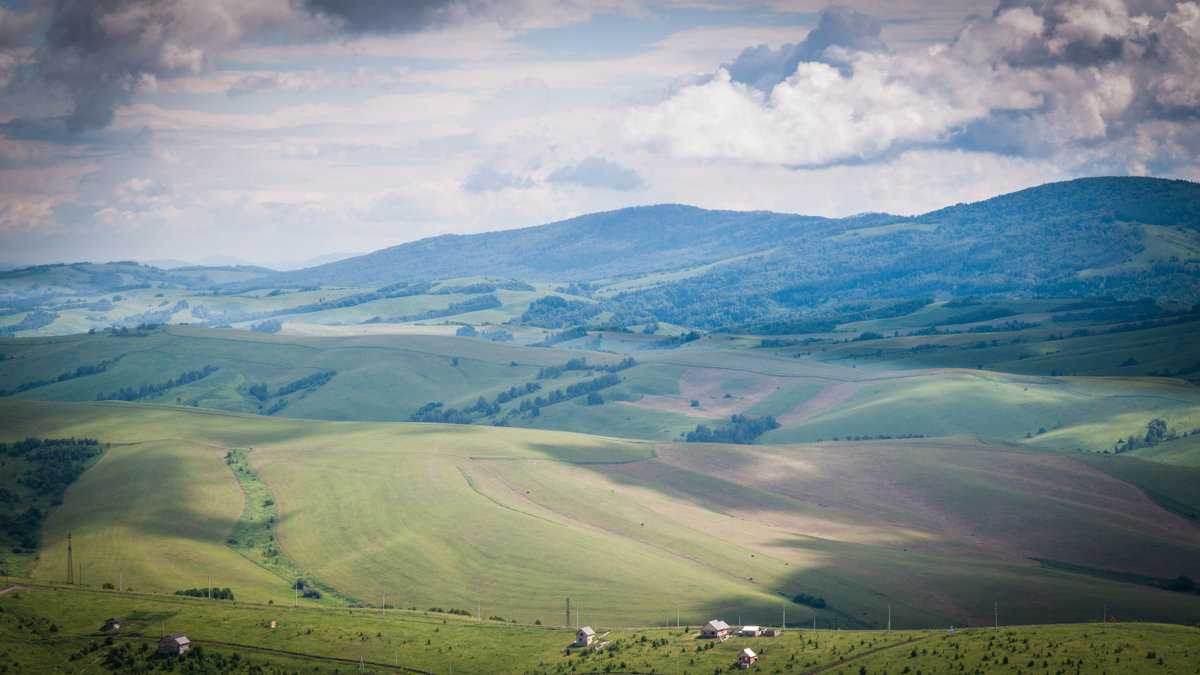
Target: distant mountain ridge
x,y
1122,236
1125,237
632,241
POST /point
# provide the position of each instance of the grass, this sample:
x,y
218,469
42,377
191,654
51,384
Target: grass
x,y
389,377
1062,413
45,627
380,377
253,535
516,520
154,515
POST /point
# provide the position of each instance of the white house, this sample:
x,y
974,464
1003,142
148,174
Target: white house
x,y
751,631
714,629
584,636
174,644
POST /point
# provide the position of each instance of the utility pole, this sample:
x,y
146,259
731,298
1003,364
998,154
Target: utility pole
x,y
568,623
383,605
889,617
70,562
996,610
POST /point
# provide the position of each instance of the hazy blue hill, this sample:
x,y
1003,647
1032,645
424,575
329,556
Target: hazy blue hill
x,y
1153,201
45,282
1088,237
1121,237
633,241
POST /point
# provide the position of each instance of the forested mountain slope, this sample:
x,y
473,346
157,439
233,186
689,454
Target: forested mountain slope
x,y
1125,237
633,241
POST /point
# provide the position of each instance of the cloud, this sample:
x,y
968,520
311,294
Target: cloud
x,y
101,51
763,68
15,30
1087,81
596,172
15,27
487,178
141,190
391,16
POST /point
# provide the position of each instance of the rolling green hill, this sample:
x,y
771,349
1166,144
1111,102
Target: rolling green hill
x,y
515,520
236,639
987,408
839,390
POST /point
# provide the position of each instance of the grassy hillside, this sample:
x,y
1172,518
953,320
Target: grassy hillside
x,y
236,639
837,390
516,520
378,377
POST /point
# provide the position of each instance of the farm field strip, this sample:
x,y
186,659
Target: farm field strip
x,y
455,516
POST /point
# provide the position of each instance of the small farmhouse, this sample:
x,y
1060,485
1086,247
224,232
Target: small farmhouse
x,y
174,644
746,658
715,629
271,623
584,636
751,631
113,623
772,632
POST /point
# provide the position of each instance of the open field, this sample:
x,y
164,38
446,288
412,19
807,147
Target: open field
x,y
666,394
515,520
46,627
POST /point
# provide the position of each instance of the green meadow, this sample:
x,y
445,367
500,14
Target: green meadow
x,y
511,522
46,627
938,468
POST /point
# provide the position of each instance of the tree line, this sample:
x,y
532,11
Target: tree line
x,y
148,390
742,429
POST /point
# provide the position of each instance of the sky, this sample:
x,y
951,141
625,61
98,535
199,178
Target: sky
x,y
276,131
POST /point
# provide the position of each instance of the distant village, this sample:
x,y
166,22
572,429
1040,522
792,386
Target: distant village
x,y
713,630
177,644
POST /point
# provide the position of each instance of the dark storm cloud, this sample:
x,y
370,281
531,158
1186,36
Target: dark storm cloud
x,y
390,16
1104,72
102,51
16,27
763,68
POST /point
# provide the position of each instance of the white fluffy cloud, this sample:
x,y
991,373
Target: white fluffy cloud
x,y
1085,80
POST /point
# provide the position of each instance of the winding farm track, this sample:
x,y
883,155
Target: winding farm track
x,y
14,587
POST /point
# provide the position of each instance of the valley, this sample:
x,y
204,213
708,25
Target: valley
x,y
665,434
